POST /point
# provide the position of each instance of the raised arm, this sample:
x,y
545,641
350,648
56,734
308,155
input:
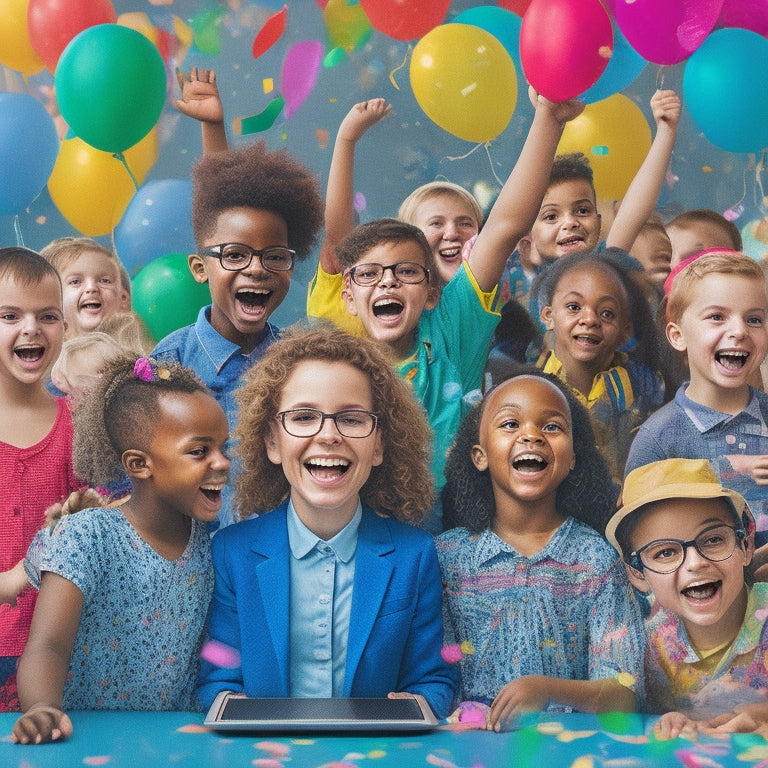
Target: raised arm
x,y
200,100
45,662
516,207
339,195
639,201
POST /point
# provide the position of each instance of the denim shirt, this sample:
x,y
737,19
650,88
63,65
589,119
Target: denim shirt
x,y
220,365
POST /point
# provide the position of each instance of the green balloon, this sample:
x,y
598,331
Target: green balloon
x,y
166,296
110,86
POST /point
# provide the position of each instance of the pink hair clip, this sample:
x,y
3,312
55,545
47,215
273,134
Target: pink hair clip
x,y
680,266
142,369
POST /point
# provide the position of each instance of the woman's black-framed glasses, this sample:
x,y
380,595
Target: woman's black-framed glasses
x,y
307,422
236,256
715,544
404,271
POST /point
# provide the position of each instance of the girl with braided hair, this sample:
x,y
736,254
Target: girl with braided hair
x,y
124,591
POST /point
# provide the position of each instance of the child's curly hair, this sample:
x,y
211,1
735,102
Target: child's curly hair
x,y
122,412
401,486
587,493
253,177
571,166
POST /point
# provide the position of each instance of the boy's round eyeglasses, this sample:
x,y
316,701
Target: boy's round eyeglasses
x,y
307,422
404,271
236,256
667,555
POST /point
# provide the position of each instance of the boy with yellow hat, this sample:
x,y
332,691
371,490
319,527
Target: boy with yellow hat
x,y
687,539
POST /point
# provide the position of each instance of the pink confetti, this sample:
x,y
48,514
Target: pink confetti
x,y
359,202
193,728
97,760
451,653
275,748
220,654
262,762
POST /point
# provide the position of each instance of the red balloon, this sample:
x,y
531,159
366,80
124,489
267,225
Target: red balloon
x,y
516,6
405,19
53,23
565,46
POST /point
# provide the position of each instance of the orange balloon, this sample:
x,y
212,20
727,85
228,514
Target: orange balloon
x,y
92,188
16,50
615,136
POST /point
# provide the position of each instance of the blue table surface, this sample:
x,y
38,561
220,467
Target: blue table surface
x,y
149,739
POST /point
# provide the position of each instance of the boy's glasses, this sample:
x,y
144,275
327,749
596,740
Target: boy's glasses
x,y
404,271
307,422
236,256
667,555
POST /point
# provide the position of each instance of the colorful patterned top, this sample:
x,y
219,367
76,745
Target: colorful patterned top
x,y
566,612
141,627
679,680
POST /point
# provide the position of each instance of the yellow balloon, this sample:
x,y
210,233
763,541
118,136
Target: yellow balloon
x,y
16,51
92,188
615,136
464,80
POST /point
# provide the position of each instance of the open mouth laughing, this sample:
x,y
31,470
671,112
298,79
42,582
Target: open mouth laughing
x,y
529,462
387,307
29,354
212,491
732,360
326,469
702,591
253,299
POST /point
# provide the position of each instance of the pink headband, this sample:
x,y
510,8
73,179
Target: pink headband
x,y
678,268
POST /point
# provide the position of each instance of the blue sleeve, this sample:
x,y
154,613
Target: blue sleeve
x,y
645,449
423,669
223,627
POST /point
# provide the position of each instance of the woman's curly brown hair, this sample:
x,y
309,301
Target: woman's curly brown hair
x,y
122,412
587,493
401,486
253,177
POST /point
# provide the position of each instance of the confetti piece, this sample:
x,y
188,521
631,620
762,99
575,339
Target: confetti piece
x,y
568,736
433,759
600,151
275,748
262,762
467,648
268,85
375,754
261,122
359,202
733,213
550,729
706,169
270,33
691,760
322,138
221,655
97,760
451,653
193,728
585,761
334,57
299,73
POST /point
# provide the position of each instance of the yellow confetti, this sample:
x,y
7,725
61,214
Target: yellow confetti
x,y
163,373
706,168
268,84
467,648
567,736
585,761
375,754
550,729
625,679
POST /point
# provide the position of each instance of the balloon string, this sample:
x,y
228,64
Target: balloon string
x,y
487,146
17,230
660,78
121,157
398,68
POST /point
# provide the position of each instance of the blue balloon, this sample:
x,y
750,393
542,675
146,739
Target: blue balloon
x,y
28,148
501,23
724,89
623,68
157,221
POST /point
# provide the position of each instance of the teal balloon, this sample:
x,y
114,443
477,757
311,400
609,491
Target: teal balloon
x,y
166,296
624,67
724,89
501,23
110,86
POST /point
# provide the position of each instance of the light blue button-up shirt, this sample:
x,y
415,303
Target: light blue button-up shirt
x,y
322,581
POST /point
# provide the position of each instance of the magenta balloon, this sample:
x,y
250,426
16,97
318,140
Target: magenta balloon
x,y
745,14
565,46
666,31
299,73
